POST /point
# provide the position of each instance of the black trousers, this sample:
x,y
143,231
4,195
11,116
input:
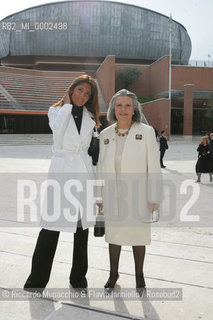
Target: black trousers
x,y
162,152
45,251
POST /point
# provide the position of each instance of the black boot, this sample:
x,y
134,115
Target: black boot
x,y
139,255
198,177
114,255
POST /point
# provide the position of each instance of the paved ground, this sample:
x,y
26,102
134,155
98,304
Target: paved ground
x,y
180,257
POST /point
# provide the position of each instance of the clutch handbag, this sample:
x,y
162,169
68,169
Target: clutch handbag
x,y
154,217
99,228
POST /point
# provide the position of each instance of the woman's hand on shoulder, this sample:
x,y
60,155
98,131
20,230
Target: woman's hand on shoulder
x,y
66,97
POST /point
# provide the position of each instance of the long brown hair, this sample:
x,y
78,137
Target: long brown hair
x,y
92,104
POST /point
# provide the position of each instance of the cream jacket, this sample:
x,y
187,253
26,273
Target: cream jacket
x,y
128,195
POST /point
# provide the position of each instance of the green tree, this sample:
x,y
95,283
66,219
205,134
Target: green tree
x,y
128,76
143,99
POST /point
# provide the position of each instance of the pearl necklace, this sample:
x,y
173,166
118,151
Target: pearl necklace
x,y
122,134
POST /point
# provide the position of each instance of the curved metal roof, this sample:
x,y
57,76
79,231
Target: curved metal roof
x,y
91,28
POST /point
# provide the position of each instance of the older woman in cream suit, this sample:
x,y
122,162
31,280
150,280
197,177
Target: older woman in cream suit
x,y
129,166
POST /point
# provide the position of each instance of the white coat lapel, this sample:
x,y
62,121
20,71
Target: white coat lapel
x,y
87,124
109,146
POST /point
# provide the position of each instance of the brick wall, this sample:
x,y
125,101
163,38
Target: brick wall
x,y
157,114
106,78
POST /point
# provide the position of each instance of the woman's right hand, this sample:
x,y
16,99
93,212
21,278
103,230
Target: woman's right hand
x,y
66,97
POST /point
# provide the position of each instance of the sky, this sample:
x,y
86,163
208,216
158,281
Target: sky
x,y
195,15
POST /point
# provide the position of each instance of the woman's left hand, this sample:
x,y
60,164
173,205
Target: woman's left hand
x,y
154,207
66,97
155,212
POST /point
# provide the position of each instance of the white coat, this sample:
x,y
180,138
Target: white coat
x,y
127,196
70,169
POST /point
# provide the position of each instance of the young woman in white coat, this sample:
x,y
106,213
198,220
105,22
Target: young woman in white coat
x,y
129,165
72,121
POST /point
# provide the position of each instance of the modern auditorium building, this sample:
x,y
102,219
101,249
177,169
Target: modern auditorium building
x,y
44,47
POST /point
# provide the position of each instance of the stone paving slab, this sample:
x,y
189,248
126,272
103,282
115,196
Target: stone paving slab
x,y
179,256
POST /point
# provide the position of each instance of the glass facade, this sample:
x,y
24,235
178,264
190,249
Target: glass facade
x,y
18,123
202,114
28,123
